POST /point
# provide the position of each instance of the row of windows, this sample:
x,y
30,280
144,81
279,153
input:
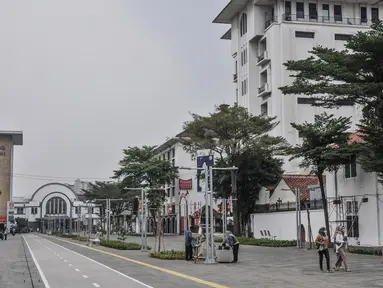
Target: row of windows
x,y
305,34
244,87
311,101
34,210
169,155
313,12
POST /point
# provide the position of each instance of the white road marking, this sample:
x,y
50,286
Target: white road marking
x,y
96,285
78,270
70,265
61,257
107,267
65,261
85,276
45,281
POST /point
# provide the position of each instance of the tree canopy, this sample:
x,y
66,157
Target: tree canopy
x,y
140,168
108,190
242,140
325,146
351,76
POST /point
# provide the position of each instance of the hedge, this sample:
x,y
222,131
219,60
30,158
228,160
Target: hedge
x,y
75,237
168,255
116,244
365,250
266,242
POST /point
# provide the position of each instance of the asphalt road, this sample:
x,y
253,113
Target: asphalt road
x,y
61,267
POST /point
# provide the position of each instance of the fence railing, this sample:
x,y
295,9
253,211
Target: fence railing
x,y
288,206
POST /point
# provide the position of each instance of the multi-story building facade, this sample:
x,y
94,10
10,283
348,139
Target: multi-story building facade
x,y
56,207
266,34
179,202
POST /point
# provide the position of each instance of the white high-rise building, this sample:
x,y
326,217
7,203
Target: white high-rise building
x,y
265,34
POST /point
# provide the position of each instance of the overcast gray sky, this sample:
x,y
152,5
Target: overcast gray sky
x,y
85,78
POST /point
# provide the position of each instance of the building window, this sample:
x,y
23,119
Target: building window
x,y
163,156
77,210
374,14
300,10
34,210
264,109
168,155
326,11
173,191
338,13
173,152
313,13
173,162
363,14
168,192
288,11
342,37
19,210
350,168
305,100
352,226
55,205
243,24
302,34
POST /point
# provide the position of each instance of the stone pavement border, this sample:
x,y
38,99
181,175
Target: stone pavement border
x,y
17,269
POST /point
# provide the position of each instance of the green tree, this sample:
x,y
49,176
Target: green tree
x,y
256,169
140,168
317,151
107,190
351,76
233,134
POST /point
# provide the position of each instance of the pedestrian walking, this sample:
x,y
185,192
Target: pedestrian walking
x,y
188,245
234,244
341,248
5,232
321,242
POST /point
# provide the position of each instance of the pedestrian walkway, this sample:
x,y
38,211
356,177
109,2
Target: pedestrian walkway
x,y
17,269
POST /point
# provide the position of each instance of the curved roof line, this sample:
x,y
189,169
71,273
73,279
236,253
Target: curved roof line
x,y
53,183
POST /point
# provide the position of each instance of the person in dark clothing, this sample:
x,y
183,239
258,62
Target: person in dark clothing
x,y
321,242
188,245
234,244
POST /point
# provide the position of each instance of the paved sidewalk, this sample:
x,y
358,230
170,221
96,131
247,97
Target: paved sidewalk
x,y
17,269
257,267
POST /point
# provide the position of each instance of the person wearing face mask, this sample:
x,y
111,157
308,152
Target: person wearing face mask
x,y
321,242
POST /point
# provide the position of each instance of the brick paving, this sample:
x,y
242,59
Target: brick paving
x,y
258,267
17,269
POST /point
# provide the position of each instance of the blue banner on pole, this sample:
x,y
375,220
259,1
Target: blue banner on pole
x,y
209,161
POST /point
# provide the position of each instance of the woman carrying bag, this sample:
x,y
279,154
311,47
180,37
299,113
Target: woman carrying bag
x,y
321,242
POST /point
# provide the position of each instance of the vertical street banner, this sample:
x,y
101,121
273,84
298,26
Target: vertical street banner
x,y
209,161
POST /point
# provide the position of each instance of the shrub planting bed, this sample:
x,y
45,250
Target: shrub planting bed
x,y
168,255
266,242
119,245
365,250
75,237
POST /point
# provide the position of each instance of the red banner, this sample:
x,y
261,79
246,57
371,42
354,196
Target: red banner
x,y
186,184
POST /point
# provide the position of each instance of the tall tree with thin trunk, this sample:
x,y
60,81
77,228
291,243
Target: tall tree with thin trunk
x,y
233,134
141,168
325,146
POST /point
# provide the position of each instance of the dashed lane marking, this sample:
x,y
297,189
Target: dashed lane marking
x,y
165,270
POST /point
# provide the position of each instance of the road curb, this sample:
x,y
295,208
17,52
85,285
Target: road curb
x,y
33,272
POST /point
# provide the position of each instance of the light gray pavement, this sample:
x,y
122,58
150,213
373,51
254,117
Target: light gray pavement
x,y
17,269
63,268
258,267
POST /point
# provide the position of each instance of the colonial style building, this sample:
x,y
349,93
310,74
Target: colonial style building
x,y
55,207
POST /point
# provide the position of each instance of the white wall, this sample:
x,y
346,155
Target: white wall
x,y
283,224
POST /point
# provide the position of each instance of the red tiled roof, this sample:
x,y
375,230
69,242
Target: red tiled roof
x,y
301,182
357,137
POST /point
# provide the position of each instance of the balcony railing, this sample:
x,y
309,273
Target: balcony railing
x,y
262,89
261,57
288,206
270,21
264,58
337,19
235,77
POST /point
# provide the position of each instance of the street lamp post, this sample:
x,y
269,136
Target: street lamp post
x,y
210,258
